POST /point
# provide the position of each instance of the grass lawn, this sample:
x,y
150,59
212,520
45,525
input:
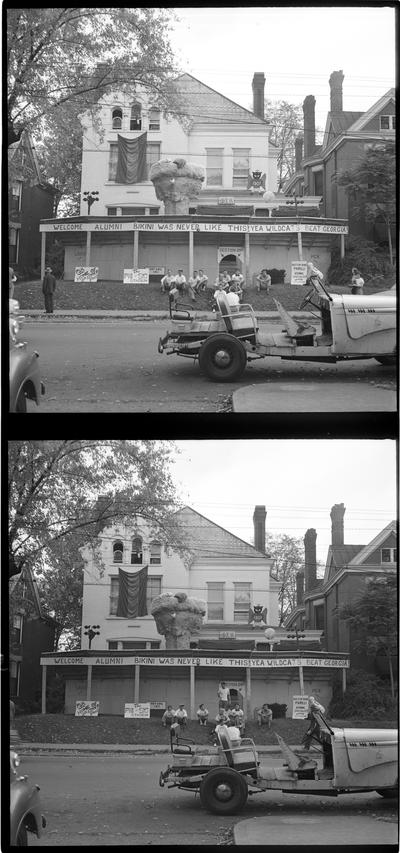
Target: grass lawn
x,y
114,295
60,728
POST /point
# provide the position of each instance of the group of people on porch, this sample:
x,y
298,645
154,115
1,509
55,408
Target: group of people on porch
x,y
230,713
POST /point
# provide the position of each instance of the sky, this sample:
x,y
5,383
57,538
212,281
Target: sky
x,y
296,47
298,481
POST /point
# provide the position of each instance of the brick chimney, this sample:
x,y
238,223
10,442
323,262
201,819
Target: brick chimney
x,y
258,93
309,125
336,84
299,588
337,516
310,559
298,147
259,517
103,503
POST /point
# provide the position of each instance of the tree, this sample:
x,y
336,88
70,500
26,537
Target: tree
x,y
373,620
371,187
288,555
286,120
74,56
53,487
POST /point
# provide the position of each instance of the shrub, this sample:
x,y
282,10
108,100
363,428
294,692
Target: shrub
x,y
367,256
365,697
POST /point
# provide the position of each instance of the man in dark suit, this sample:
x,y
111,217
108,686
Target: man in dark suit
x,y
49,286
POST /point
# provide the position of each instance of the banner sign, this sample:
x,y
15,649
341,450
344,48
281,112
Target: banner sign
x,y
211,227
86,273
300,708
137,709
86,708
136,276
157,270
238,251
253,663
157,706
299,272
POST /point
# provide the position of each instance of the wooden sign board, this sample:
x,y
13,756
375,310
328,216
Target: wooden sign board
x,y
86,708
86,274
300,708
136,276
138,710
299,272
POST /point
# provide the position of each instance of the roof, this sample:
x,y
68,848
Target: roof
x,y
379,105
208,539
205,105
378,541
340,556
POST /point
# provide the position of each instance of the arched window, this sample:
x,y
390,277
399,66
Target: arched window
x,y
137,551
154,119
136,117
118,552
117,118
155,553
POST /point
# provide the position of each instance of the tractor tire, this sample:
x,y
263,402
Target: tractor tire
x,y
222,358
223,791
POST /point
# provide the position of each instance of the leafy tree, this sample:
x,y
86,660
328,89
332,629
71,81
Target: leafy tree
x,y
288,555
286,120
371,187
53,487
373,620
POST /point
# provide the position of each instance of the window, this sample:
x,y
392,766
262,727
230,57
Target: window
x,y
155,553
114,593
319,621
137,551
153,589
387,122
118,552
389,555
318,178
116,118
136,117
214,167
153,154
111,211
16,195
112,645
154,119
112,161
241,167
140,644
215,601
242,602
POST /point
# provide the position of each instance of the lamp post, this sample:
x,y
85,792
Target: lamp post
x,y
296,636
90,197
295,200
91,631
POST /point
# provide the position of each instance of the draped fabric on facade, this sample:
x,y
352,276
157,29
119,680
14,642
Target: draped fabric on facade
x,y
131,165
132,594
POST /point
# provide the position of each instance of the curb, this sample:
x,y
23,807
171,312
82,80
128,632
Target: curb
x,y
98,749
88,314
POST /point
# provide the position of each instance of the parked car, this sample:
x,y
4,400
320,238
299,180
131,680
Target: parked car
x,y
25,382
349,761
352,327
25,808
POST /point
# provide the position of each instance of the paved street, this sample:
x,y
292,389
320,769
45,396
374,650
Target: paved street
x,y
110,800
113,366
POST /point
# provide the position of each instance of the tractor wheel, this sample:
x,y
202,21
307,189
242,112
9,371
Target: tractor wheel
x,y
222,358
223,791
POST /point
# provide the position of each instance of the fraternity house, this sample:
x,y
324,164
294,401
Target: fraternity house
x,y
123,658
230,225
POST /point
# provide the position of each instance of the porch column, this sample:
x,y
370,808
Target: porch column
x,y
344,685
192,684
247,259
44,677
248,690
43,255
301,679
190,253
137,682
135,249
300,244
88,244
342,247
89,682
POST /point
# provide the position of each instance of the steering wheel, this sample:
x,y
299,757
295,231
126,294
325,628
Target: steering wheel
x,y
306,300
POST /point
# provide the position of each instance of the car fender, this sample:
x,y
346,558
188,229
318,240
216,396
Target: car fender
x,y
24,374
25,808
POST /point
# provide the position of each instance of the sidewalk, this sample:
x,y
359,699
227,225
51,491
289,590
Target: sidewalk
x,y
23,747
120,314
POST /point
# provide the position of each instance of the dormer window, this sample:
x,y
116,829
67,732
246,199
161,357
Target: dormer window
x,y
387,122
116,118
154,119
118,551
137,551
136,117
389,555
